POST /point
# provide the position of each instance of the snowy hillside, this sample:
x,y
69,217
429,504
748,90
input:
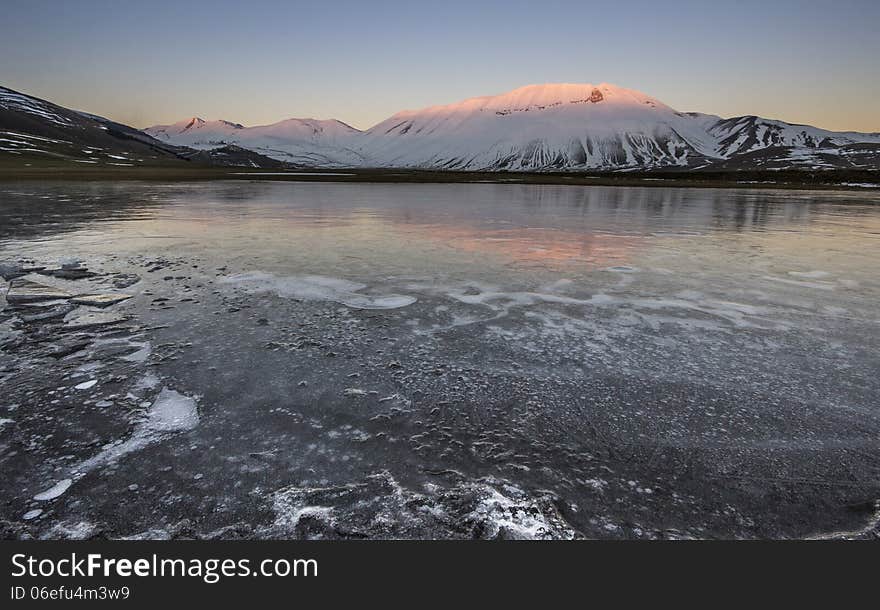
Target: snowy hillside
x,y
753,141
299,141
32,127
542,127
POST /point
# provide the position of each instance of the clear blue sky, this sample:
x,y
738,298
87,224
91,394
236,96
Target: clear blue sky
x,y
145,62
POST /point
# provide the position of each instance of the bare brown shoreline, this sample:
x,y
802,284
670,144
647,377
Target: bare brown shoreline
x,y
781,179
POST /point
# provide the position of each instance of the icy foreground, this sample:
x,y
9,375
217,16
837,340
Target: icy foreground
x,y
542,127
350,361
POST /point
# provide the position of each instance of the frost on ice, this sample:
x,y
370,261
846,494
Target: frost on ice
x,y
379,507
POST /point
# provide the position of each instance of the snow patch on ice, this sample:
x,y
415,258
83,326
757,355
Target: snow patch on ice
x,y
170,413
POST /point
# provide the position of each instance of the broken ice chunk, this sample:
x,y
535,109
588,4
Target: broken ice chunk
x,y
100,300
53,492
26,291
83,318
171,412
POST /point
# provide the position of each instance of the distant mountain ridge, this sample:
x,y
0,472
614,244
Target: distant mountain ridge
x,y
551,127
308,142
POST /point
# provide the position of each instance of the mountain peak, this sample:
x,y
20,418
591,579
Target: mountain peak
x,y
560,94
547,96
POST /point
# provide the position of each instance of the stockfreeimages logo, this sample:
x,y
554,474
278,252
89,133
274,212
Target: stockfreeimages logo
x,y
209,570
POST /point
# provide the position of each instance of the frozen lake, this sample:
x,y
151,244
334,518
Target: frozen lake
x,y
438,360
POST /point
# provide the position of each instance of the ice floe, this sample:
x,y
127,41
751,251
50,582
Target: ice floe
x,y
318,288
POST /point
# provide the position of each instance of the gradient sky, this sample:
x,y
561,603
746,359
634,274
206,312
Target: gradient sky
x,y
141,63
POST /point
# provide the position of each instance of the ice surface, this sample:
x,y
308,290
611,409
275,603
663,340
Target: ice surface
x,y
723,381
817,285
289,174
809,274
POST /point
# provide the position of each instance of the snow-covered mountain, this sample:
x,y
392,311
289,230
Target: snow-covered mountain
x,y
752,141
585,126
300,141
534,128
544,127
